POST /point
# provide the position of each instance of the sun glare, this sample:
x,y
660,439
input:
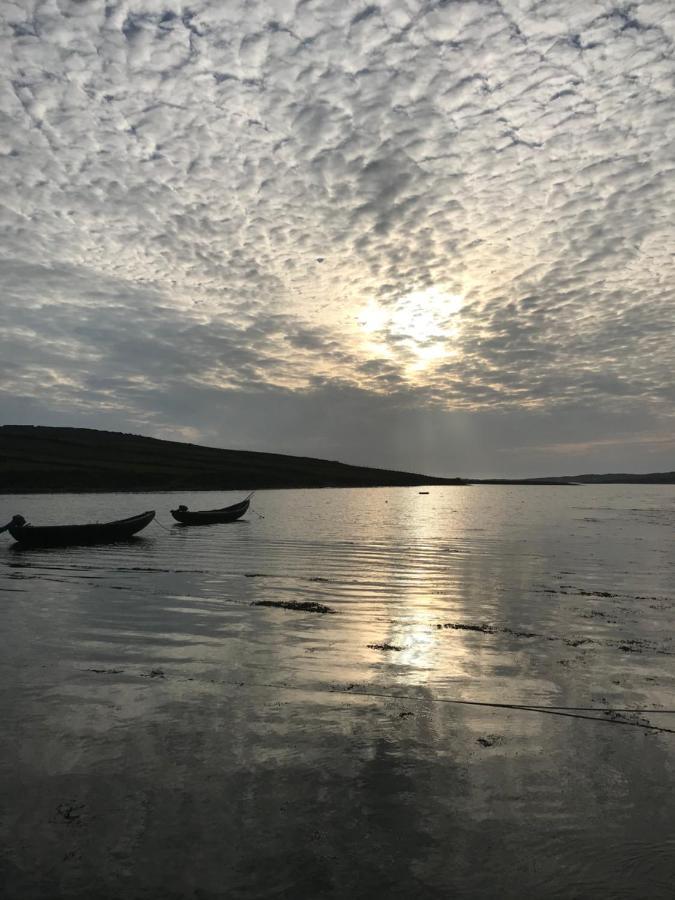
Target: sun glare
x,y
419,323
373,318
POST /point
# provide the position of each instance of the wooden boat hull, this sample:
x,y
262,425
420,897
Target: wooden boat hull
x,y
64,535
211,516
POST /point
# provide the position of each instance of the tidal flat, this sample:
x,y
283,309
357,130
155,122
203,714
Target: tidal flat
x,y
365,693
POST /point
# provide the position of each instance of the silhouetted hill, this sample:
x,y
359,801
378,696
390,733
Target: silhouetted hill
x,y
625,478
39,458
612,478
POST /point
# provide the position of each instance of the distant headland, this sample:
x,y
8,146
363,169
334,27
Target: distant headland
x,y
610,478
39,458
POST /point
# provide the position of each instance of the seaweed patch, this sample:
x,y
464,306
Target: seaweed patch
x,y
492,740
484,628
299,605
458,626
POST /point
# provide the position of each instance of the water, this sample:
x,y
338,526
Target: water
x,y
165,736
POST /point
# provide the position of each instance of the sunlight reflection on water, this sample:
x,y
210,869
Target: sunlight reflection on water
x,y
143,679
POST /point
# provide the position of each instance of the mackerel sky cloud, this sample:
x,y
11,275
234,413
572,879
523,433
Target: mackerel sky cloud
x,y
437,236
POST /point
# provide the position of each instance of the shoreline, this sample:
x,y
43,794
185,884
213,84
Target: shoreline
x,y
23,491
224,490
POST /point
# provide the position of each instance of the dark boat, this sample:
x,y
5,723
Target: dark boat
x,y
211,516
62,535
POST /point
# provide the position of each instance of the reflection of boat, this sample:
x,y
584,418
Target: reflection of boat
x,y
62,535
211,516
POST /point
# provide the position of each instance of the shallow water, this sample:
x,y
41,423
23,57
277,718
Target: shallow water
x,y
166,736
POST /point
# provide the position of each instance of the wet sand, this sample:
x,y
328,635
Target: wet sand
x,y
365,694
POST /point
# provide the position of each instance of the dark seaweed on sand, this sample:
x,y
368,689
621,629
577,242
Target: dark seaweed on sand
x,y
484,628
301,606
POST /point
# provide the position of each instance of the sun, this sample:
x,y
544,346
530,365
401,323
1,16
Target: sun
x,y
419,323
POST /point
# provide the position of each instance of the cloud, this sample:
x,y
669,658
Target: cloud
x,y
171,177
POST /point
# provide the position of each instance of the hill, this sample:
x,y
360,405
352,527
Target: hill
x,y
625,478
611,478
38,458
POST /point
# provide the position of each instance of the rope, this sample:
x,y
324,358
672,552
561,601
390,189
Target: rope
x,y
250,509
533,706
567,712
170,530
571,712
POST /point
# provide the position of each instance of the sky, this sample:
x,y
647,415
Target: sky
x,y
435,236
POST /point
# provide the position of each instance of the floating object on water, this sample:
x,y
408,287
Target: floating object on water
x,y
211,516
63,535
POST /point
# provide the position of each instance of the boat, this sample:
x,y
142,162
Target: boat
x,y
63,535
211,516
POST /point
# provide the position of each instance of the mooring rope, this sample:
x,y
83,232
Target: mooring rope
x,y
170,530
605,714
571,712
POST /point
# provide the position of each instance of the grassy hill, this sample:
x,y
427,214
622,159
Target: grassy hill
x,y
38,458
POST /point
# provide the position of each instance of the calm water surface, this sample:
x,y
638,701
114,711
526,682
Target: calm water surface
x,y
165,736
